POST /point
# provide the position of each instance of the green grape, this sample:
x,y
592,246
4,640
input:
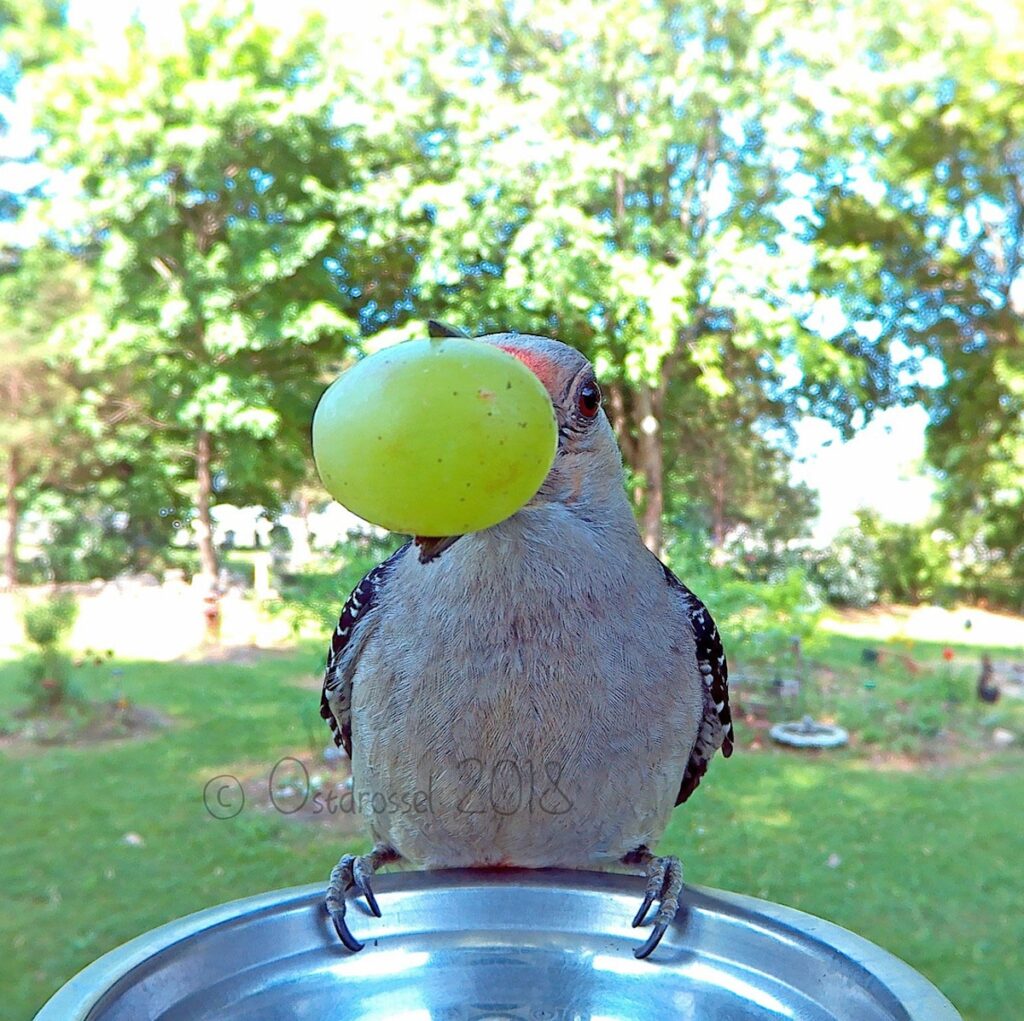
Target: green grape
x,y
435,437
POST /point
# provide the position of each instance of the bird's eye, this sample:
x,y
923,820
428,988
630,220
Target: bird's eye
x,y
589,400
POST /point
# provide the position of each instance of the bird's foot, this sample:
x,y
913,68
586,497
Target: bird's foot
x,y
354,870
664,884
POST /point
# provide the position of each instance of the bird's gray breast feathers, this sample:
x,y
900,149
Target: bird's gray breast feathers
x,y
540,699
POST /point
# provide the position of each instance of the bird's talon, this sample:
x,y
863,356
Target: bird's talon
x,y
344,934
656,868
638,918
652,941
361,879
371,901
354,871
664,884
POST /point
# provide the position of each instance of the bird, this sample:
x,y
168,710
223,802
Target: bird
x,y
540,693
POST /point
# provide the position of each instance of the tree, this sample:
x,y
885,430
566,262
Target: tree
x,y
31,34
687,194
37,388
913,564
222,182
928,239
622,176
721,459
847,571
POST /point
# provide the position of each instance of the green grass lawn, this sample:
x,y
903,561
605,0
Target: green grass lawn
x,y
931,862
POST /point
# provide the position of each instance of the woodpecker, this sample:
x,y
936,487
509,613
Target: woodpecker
x,y
541,693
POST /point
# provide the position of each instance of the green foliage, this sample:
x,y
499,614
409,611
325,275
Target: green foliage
x,y
761,619
989,577
39,439
914,565
738,484
48,676
622,188
928,244
91,536
280,539
49,623
48,671
86,547
218,313
740,223
881,560
312,603
847,572
30,35
909,701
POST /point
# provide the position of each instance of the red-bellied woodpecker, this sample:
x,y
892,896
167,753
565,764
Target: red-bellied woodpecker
x,y
539,693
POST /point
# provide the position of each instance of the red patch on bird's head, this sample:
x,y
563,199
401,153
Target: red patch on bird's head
x,y
543,368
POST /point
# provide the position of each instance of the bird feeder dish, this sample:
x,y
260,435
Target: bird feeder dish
x,y
499,944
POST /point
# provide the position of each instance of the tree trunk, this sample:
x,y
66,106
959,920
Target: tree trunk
x,y
204,523
11,552
301,554
619,418
649,457
718,513
619,415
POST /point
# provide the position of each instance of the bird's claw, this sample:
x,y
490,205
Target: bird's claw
x,y
638,918
361,872
351,870
344,934
651,942
664,884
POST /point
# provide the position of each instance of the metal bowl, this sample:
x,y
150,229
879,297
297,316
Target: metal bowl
x,y
490,945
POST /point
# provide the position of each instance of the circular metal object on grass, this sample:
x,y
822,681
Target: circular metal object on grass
x,y
508,943
808,734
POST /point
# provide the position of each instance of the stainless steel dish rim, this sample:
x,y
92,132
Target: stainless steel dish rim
x,y
75,1000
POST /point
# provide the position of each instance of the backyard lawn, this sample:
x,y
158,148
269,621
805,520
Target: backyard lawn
x,y
104,841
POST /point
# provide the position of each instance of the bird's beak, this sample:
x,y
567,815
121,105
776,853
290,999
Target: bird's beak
x,y
431,547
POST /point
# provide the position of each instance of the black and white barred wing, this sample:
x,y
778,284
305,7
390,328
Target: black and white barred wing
x,y
716,723
336,698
